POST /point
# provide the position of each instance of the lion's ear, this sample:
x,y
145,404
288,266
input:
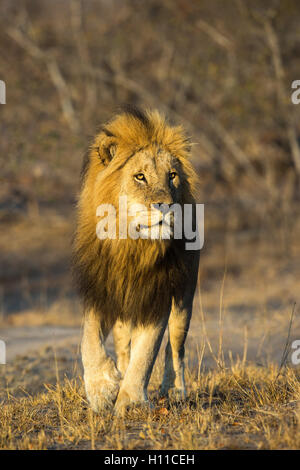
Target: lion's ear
x,y
106,148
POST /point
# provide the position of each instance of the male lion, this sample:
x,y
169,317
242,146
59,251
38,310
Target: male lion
x,y
134,286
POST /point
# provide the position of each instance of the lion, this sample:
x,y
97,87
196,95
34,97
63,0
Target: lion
x,y
134,287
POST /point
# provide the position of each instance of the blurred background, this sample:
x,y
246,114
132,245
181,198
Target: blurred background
x,y
222,69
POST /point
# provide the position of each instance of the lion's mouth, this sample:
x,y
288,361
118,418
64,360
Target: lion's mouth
x,y
147,226
157,231
152,224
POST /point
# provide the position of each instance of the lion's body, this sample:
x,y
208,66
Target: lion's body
x,y
125,282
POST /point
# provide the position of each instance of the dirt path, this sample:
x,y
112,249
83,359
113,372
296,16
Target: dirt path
x,y
259,339
24,340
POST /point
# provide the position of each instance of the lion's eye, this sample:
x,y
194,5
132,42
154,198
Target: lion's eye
x,y
172,175
140,177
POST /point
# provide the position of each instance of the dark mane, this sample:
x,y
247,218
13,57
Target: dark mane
x,y
85,166
137,113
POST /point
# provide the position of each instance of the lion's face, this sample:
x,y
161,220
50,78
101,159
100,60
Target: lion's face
x,y
151,178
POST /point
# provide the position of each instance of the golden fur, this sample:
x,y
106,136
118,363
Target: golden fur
x,y
131,279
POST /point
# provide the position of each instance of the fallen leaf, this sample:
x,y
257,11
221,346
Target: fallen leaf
x,y
163,411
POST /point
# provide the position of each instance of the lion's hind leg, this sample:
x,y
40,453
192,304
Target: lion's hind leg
x,y
179,322
173,380
101,377
122,339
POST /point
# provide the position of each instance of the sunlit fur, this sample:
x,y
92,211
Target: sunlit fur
x,y
131,279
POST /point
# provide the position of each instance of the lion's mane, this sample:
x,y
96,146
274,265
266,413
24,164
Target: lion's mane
x,y
128,279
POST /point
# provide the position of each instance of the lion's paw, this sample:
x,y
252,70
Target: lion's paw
x,y
126,402
174,393
102,388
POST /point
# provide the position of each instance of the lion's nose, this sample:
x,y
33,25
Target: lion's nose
x,y
162,207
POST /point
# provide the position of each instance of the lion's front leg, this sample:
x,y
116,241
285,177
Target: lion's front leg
x,y
101,377
145,344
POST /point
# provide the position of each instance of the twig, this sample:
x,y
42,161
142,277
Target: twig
x,y
286,348
84,55
245,347
54,72
280,86
220,314
215,35
235,150
221,367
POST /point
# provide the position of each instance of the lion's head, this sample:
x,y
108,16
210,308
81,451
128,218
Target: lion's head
x,y
140,156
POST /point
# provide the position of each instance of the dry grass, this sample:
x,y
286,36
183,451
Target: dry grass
x,y
239,407
235,400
